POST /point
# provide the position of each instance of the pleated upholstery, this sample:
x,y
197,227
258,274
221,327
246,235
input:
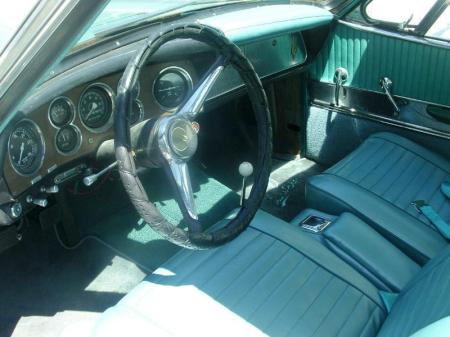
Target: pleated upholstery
x,y
399,172
425,301
419,71
378,182
256,285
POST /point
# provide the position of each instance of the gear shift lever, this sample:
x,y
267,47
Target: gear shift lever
x,y
245,170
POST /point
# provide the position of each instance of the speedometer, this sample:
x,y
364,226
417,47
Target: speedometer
x,y
172,87
95,107
26,148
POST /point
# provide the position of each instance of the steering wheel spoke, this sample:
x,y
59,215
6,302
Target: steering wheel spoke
x,y
193,105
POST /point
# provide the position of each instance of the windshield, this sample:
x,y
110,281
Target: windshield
x,y
120,13
12,15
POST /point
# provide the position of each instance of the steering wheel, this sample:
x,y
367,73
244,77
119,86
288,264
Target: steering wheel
x,y
173,140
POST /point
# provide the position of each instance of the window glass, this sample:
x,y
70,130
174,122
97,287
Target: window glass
x,y
441,28
12,15
399,11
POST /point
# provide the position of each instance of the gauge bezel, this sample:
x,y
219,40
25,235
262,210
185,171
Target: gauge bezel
x,y
79,140
42,141
184,73
141,111
110,93
72,108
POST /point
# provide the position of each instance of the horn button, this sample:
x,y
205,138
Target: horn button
x,y
182,138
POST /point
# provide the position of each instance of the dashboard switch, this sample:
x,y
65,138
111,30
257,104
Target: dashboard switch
x,y
16,210
50,189
37,201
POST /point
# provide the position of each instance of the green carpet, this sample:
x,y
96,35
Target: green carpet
x,y
126,231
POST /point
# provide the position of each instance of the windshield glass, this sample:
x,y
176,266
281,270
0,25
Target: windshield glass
x,y
12,15
121,13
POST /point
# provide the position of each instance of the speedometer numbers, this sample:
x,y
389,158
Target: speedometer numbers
x,y
26,148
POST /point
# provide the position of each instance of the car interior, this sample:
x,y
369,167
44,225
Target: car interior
x,y
249,168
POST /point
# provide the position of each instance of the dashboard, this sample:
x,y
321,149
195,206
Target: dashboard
x,y
75,123
64,124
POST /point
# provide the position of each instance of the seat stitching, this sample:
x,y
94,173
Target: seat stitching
x,y
211,256
266,274
245,269
322,266
293,295
278,286
368,321
319,293
358,153
344,323
266,249
380,162
415,152
392,164
362,162
330,310
424,164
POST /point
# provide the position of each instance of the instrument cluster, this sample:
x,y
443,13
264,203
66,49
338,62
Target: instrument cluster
x,y
76,123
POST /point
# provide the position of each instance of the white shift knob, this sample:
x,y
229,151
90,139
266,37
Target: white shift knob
x,y
245,169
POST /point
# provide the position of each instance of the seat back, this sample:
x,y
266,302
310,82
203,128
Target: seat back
x,y
424,301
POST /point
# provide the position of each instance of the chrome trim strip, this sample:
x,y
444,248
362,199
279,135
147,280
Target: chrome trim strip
x,y
42,139
382,119
397,35
111,95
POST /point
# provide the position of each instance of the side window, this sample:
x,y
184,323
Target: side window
x,y
404,14
441,27
426,18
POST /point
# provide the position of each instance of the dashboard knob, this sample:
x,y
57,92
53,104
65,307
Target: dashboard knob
x,y
16,210
50,189
37,201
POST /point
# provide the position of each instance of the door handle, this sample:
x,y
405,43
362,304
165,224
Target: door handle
x,y
386,85
340,77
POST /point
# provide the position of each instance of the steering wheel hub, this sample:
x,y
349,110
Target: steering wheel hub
x,y
182,138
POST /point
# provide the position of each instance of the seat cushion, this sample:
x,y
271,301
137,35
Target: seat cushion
x,y
273,279
378,182
426,300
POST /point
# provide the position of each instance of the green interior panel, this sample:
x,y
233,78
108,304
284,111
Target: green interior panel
x,y
265,22
419,71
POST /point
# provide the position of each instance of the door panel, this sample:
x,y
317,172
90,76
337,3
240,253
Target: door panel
x,y
418,70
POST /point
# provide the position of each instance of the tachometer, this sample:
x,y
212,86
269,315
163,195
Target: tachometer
x,y
171,87
96,106
26,148
68,140
61,111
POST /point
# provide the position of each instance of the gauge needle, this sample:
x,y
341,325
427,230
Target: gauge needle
x,y
93,108
22,147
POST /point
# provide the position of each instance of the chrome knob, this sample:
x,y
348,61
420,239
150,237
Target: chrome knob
x,y
37,201
16,210
50,189
340,77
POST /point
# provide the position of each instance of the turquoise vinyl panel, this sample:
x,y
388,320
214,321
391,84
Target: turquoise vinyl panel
x,y
264,22
420,71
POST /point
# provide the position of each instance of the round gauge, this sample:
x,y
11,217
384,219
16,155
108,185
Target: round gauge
x,y
95,107
68,140
172,87
61,111
136,113
26,148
